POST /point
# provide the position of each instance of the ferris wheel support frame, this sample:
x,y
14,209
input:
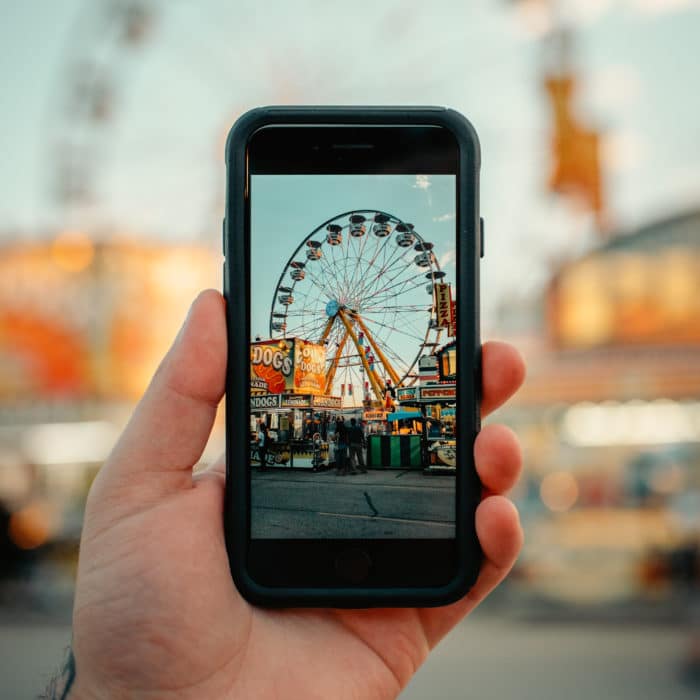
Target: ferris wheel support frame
x,y
382,357
330,376
376,386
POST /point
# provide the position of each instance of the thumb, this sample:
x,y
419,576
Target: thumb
x,y
170,426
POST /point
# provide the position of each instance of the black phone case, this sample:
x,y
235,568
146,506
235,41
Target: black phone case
x,y
236,292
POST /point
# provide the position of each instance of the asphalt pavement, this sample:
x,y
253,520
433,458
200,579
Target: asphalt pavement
x,y
381,503
488,656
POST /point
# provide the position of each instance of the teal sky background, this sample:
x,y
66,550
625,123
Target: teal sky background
x,y
285,209
157,164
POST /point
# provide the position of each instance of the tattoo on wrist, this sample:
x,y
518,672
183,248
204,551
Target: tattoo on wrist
x,y
60,685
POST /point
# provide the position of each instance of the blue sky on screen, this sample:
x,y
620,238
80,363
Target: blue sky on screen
x,y
285,209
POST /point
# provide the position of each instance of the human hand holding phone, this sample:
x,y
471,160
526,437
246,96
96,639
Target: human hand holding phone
x,y
156,613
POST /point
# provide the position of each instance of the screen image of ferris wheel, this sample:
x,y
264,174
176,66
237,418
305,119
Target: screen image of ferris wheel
x,y
353,357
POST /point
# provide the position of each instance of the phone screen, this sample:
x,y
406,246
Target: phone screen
x,y
353,292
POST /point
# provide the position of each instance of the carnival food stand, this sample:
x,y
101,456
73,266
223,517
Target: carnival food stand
x,y
435,398
401,448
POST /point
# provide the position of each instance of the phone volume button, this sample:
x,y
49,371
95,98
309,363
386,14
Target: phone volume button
x,y
481,236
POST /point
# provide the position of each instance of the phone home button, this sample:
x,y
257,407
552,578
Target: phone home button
x,y
353,565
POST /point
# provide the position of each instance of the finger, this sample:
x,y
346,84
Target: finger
x,y
171,424
503,371
498,458
501,537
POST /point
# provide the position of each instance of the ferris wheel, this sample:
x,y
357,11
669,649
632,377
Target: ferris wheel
x,y
362,285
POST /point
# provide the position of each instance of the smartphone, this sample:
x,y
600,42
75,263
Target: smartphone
x,y
352,243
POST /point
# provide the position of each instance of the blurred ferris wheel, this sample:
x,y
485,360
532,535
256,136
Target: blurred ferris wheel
x,y
362,284
145,93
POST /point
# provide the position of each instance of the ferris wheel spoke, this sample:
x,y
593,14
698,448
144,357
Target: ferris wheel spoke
x,y
312,329
304,313
397,283
334,267
398,263
401,263
402,318
303,320
388,261
339,272
379,294
403,288
399,308
360,253
308,322
330,266
395,329
377,269
350,270
371,282
303,301
380,248
323,287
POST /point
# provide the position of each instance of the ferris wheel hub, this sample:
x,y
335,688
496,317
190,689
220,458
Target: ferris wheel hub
x,y
332,308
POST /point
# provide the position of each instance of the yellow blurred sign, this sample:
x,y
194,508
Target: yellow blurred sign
x,y
309,367
290,366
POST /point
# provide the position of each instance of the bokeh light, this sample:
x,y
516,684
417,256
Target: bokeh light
x,y
72,250
31,526
559,491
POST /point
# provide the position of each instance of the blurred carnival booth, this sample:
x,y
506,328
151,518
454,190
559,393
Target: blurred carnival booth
x,y
83,326
610,418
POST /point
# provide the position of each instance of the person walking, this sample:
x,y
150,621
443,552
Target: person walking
x,y
262,445
356,440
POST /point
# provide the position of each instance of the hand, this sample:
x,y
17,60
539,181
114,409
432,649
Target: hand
x,y
156,613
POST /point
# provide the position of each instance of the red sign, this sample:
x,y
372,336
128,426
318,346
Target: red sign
x,y
452,328
443,305
443,392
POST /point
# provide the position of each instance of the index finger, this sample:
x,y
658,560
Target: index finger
x,y
171,423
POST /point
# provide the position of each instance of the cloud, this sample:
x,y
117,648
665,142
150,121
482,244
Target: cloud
x,y
617,86
624,150
444,217
448,258
422,182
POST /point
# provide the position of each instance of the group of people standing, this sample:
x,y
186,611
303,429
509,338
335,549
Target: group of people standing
x,y
348,442
346,445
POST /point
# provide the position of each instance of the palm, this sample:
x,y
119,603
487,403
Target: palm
x,y
186,608
156,613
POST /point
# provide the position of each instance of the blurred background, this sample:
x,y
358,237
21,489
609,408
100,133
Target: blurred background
x,y
114,115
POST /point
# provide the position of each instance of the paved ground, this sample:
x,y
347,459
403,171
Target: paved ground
x,y
492,658
486,657
381,503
